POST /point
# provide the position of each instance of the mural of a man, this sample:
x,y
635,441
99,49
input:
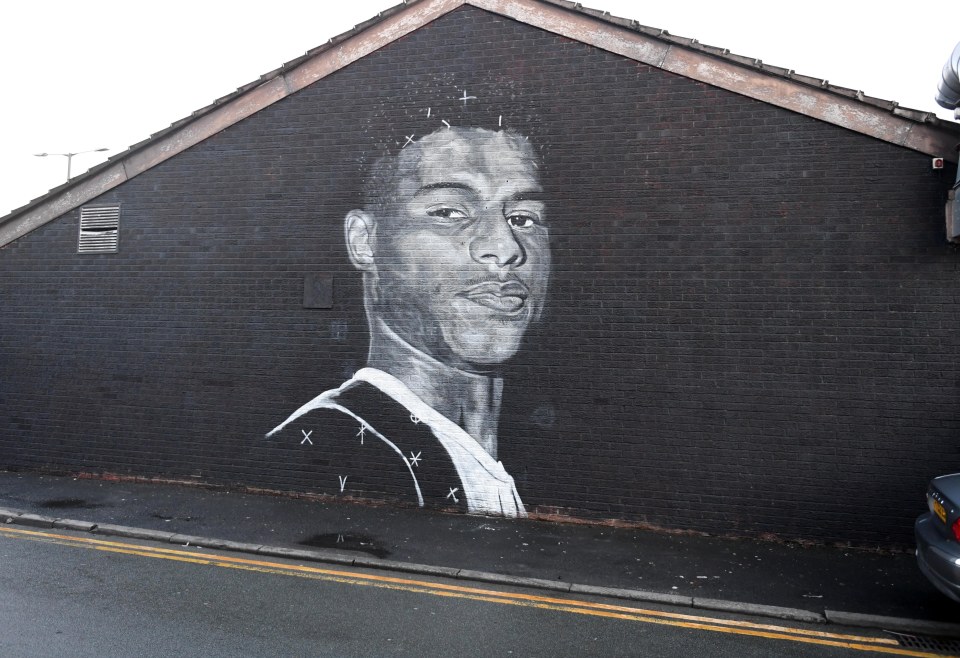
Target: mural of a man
x,y
453,246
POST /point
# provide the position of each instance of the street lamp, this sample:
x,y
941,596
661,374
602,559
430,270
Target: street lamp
x,y
69,157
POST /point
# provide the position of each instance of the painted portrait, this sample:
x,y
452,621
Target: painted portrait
x,y
451,244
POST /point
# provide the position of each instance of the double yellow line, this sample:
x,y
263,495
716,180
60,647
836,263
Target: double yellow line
x,y
717,625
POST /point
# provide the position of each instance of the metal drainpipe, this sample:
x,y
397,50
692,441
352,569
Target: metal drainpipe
x,y
948,91
948,96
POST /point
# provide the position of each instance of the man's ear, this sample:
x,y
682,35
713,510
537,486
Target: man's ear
x,y
360,231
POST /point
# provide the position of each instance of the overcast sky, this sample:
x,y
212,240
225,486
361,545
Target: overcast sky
x,y
86,75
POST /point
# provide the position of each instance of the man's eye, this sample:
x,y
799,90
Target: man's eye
x,y
446,212
518,220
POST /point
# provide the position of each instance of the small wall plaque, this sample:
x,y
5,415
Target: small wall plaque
x,y
317,291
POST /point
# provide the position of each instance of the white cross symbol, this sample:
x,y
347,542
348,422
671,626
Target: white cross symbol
x,y
363,428
452,494
409,140
343,481
306,437
415,458
413,417
466,98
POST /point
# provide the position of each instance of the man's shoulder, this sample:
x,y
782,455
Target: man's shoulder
x,y
332,422
331,452
373,444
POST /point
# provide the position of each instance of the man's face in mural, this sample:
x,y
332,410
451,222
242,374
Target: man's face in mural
x,y
457,252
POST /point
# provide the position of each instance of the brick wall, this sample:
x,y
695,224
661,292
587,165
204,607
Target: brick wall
x,y
752,323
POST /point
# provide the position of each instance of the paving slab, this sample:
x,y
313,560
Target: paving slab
x,y
311,556
73,524
633,595
131,532
516,581
746,608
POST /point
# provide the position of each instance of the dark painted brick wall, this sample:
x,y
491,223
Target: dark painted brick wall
x,y
752,325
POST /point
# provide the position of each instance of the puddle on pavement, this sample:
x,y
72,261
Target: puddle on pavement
x,y
345,542
68,503
165,517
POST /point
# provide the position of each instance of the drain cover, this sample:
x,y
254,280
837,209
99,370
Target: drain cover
x,y
946,645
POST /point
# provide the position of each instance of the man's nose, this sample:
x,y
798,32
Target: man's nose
x,y
495,243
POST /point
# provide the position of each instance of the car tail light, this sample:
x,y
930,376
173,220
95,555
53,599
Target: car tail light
x,y
956,529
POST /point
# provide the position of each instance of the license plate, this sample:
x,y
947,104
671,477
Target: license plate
x,y
939,511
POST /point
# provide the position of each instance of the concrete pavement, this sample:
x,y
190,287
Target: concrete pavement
x,y
777,579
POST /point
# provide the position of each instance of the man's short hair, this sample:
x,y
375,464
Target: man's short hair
x,y
381,189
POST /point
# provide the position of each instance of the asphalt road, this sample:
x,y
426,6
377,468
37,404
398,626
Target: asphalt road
x,y
65,593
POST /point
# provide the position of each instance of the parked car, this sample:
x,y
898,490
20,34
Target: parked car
x,y
938,535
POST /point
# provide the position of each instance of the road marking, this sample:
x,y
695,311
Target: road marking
x,y
574,606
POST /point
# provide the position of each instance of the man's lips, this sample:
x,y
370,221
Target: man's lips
x,y
505,297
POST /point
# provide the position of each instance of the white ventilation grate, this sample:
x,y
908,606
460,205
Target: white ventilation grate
x,y
99,230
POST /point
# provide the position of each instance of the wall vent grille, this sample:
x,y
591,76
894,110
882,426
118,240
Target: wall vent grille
x,y
99,230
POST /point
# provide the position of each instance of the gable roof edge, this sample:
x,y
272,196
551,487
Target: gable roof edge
x,y
685,57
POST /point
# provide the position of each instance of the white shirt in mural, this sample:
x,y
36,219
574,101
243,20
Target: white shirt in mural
x,y
484,483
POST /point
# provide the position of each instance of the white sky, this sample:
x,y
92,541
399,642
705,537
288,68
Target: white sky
x,y
108,73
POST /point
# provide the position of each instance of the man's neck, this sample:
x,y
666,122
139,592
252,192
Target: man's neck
x,y
468,399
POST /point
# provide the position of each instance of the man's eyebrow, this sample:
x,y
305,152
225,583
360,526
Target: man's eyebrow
x,y
523,195
530,195
446,185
